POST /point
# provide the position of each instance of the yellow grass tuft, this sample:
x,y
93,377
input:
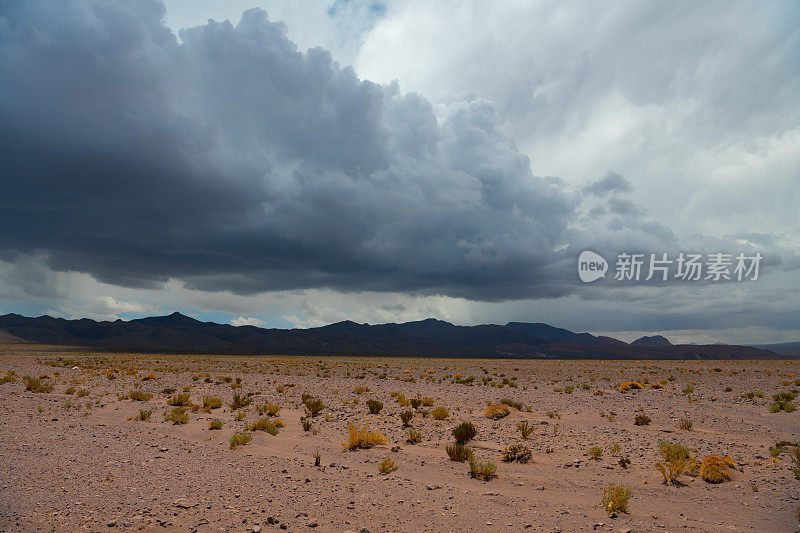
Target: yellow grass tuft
x,y
362,437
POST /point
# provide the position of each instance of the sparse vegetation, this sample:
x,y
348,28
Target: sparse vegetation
x,y
216,423
38,385
413,436
440,413
677,460
496,411
179,399
525,429
139,396
520,454
641,420
615,499
314,405
464,432
714,468
458,452
240,438
685,424
595,453
406,417
374,406
212,402
177,416
387,466
362,437
264,424
482,470
240,402
144,414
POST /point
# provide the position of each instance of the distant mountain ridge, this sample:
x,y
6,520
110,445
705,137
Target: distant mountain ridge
x,y
431,337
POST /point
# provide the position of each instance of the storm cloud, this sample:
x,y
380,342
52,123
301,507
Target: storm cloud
x,y
232,161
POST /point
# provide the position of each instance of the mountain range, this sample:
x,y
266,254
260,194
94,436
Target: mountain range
x,y
178,333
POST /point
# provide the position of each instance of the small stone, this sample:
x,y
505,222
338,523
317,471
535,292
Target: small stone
x,y
312,523
111,523
256,529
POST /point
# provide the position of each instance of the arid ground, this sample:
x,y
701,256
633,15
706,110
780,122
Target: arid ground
x,y
76,456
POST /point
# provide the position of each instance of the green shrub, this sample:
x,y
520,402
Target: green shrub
x,y
374,406
212,402
139,396
177,416
440,413
464,432
240,438
482,470
265,424
406,417
240,401
458,452
215,424
615,499
179,399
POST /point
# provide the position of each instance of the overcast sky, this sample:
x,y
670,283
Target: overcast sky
x,y
294,164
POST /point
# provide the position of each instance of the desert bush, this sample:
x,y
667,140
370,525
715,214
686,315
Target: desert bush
x,y
179,399
525,429
317,457
440,413
374,406
413,436
614,448
70,390
641,420
520,454
215,424
240,415
677,460
279,423
212,402
714,468
168,390
482,470
427,401
464,432
314,405
624,462
177,416
406,417
240,438
144,414
625,386
240,401
306,423
360,389
615,499
139,396
11,377
272,409
362,437
689,389
387,466
416,402
553,414
82,393
496,411
458,452
402,400
595,452
685,424
265,424
511,403
37,385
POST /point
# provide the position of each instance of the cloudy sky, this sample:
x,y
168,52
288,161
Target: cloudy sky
x,y
292,165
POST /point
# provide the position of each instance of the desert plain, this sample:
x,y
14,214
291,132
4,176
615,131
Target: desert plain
x,y
110,441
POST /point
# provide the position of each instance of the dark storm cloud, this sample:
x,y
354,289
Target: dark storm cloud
x,y
611,182
232,161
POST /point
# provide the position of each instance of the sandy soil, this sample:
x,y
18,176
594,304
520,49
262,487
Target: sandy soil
x,y
85,463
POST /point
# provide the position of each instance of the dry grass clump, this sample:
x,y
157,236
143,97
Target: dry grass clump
x,y
139,396
496,411
525,429
144,414
240,402
440,413
362,437
464,432
595,453
11,377
265,424
215,424
240,438
427,401
685,424
413,436
641,420
615,499
82,393
520,454
629,385
677,460
179,399
406,417
70,390
37,385
360,389
714,468
272,409
511,403
482,470
374,406
387,466
314,405
782,401
212,402
458,452
177,416
402,400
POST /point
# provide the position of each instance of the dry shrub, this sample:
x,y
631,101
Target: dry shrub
x,y
240,401
144,414
458,452
212,402
139,396
525,429
596,453
240,438
440,413
314,405
374,406
179,399
413,436
177,416
615,499
714,468
520,454
641,420
482,470
362,437
215,424
464,432
387,466
629,385
496,411
265,424
677,460
406,417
